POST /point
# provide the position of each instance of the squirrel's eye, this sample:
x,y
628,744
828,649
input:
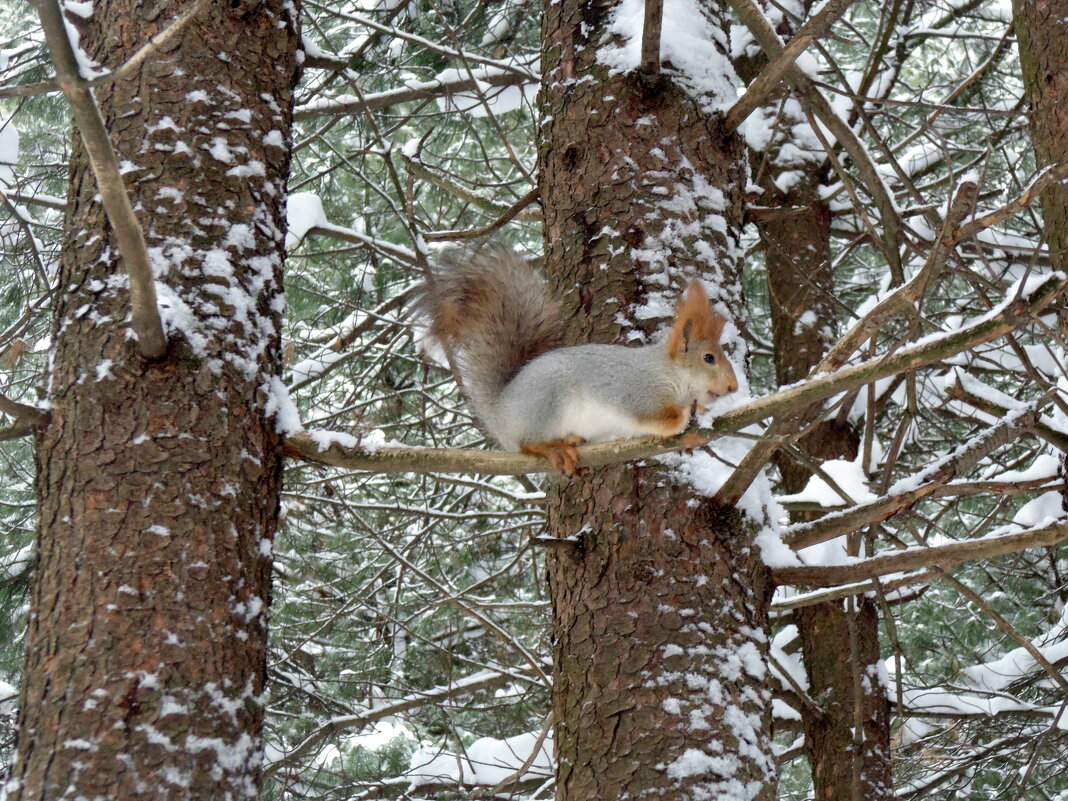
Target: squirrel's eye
x,y
710,358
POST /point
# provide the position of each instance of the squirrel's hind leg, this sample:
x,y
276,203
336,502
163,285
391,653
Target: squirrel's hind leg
x,y
560,452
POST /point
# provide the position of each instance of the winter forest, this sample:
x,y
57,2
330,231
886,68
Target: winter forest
x,y
253,542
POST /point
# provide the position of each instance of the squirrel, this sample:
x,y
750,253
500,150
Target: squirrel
x,y
492,314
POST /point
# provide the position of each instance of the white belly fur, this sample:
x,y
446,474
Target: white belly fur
x,y
597,422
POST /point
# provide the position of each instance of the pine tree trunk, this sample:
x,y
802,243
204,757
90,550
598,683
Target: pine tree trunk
x,y
660,605
158,482
1042,33
839,641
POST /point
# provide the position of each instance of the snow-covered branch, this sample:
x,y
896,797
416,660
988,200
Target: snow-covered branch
x,y
943,556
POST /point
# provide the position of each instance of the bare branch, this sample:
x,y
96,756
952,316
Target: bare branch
x,y
513,212
472,684
18,430
893,230
456,189
29,415
791,398
650,53
154,44
151,48
144,310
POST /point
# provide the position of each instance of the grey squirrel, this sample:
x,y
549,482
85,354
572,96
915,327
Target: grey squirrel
x,y
492,314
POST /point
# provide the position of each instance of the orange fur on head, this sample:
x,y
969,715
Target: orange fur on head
x,y
695,320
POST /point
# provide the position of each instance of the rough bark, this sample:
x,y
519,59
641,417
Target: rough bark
x,y
660,608
158,481
848,746
1042,33
839,644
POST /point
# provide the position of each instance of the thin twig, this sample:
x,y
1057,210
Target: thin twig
x,y
486,230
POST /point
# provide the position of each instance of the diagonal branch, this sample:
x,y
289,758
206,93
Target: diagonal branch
x,y
951,235
893,229
922,486
153,46
27,415
818,25
955,390
907,294
144,311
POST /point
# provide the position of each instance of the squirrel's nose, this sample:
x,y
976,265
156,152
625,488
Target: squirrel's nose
x,y
732,386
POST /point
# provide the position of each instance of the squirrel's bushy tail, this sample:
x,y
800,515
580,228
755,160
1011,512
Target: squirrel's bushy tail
x,y
491,312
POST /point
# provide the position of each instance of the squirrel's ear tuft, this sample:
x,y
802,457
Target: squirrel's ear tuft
x,y
695,321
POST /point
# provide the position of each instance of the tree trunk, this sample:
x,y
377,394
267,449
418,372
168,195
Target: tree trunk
x,y
158,482
1042,33
660,606
848,743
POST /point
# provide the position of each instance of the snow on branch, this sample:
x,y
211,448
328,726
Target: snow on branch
x,y
908,293
450,83
819,24
484,679
150,48
973,393
890,221
943,556
907,493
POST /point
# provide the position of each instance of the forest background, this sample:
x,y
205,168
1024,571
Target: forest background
x,y
883,216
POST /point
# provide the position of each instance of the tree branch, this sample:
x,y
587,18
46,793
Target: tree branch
x,y
28,415
650,53
943,556
144,310
893,304
753,18
849,590
454,188
786,400
758,90
931,479
151,48
427,90
956,391
480,681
